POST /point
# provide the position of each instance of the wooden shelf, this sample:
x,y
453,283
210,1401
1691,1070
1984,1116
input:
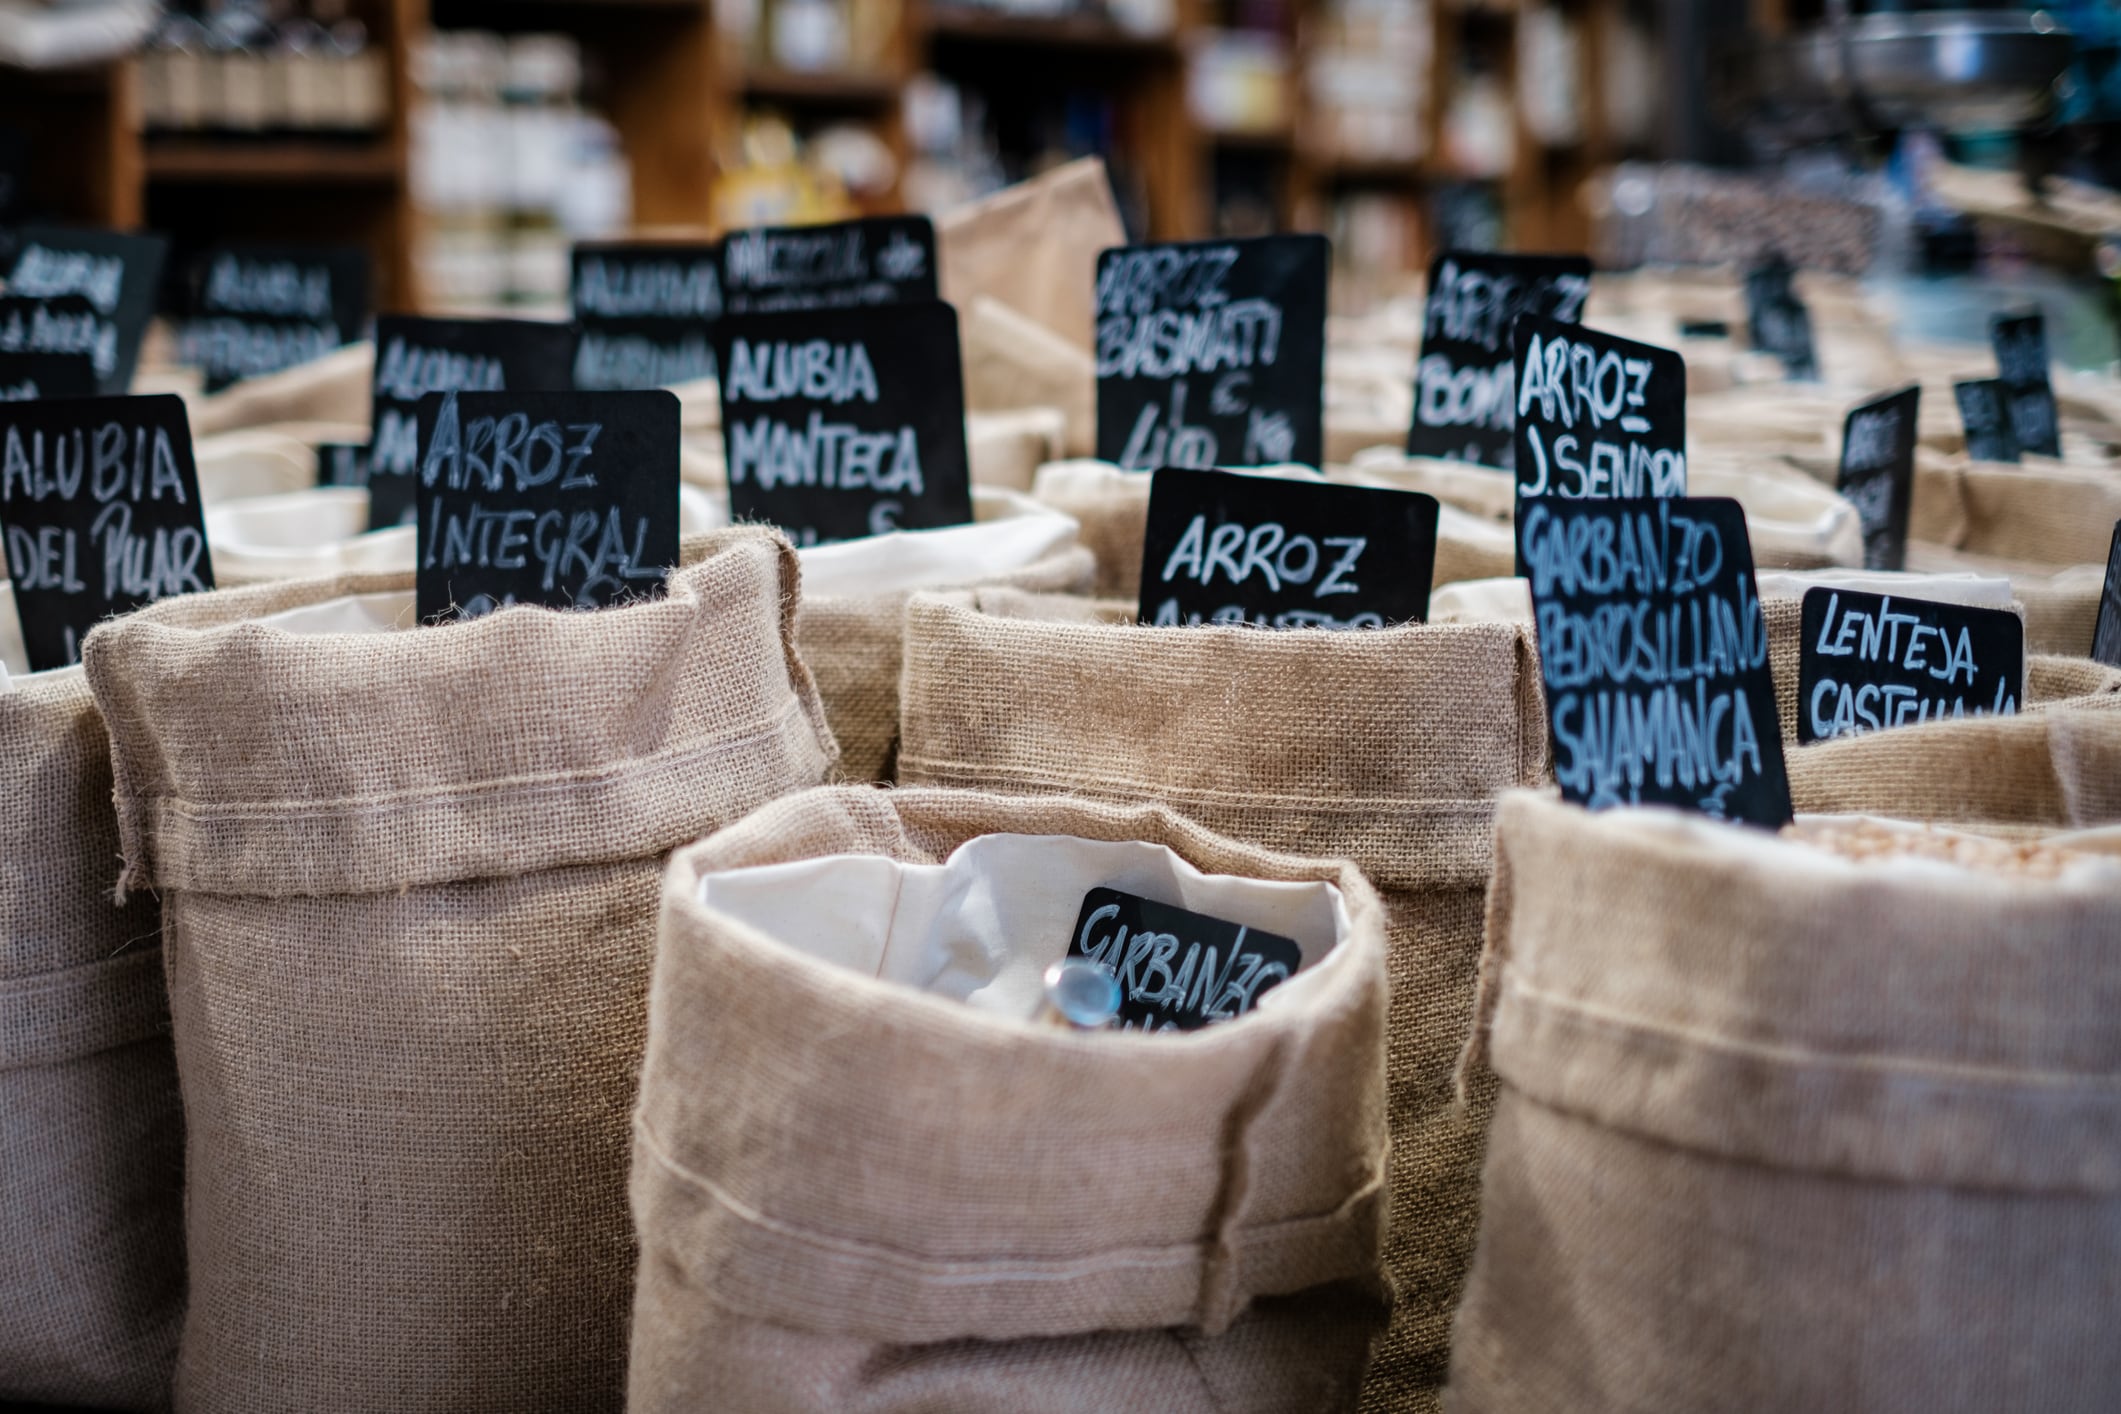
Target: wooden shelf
x,y
209,161
1076,32
825,90
1252,139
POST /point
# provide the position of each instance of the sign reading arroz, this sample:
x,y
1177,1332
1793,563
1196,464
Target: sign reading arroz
x,y
1465,386
646,313
1870,661
873,260
259,309
1212,353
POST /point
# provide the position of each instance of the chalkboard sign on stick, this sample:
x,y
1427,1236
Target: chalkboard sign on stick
x,y
1466,382
871,261
1212,353
1878,474
2106,630
117,275
100,498
259,309
2020,342
1984,411
1871,661
646,314
25,377
1178,970
1777,320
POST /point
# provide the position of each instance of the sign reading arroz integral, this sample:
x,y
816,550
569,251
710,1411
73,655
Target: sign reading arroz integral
x,y
1777,321
564,499
2106,630
1869,661
415,357
26,377
646,314
1178,970
259,309
1878,474
101,503
1653,650
841,423
1984,411
876,260
2020,342
1465,387
116,275
1222,547
1212,353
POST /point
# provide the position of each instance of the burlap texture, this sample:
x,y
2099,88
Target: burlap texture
x,y
1034,248
91,1131
1782,1132
334,388
1385,746
854,1195
409,885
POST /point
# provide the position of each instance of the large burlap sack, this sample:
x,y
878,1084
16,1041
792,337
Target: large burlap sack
x,y
334,388
1034,248
2061,605
1386,746
1007,448
865,1179
2042,513
1806,1123
409,891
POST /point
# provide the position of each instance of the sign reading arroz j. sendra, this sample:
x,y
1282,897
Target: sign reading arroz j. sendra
x,y
1465,386
1869,661
646,313
1653,651
1212,353
873,260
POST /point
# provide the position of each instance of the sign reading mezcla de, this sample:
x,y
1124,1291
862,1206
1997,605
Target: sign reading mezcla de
x,y
840,423
1878,474
563,499
646,314
101,502
1222,547
1653,651
875,260
116,275
1597,416
1212,353
259,309
1178,970
1868,661
1465,386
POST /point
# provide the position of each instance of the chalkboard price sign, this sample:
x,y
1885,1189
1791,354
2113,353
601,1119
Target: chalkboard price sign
x,y
875,260
1466,382
1777,320
1653,650
259,309
2020,342
1878,473
115,275
646,314
101,502
25,377
1984,411
563,499
1223,547
1871,661
1597,416
2106,630
1212,353
1178,970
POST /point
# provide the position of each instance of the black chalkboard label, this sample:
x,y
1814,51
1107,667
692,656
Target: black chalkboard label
x,y
1597,416
875,260
117,275
1777,321
1984,411
342,463
259,309
415,357
563,499
1212,353
1178,970
840,423
25,377
1878,473
101,503
646,313
1222,547
1704,329
1870,661
2020,341
1653,650
2106,630
1465,385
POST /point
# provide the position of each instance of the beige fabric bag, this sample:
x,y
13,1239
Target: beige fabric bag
x,y
1013,361
2044,513
865,1179
1385,746
1786,1126
409,889
334,388
1034,248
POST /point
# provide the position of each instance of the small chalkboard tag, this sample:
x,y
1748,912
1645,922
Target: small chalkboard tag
x,y
1178,970
2106,630
1212,353
26,377
1222,547
1465,383
65,326
841,423
415,357
1984,411
118,275
1653,651
101,502
564,499
1878,474
646,313
875,260
1777,321
259,309
342,463
1870,661
2020,341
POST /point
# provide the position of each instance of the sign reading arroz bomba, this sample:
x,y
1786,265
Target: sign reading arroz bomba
x,y
101,502
1878,474
1465,387
646,314
1212,353
116,275
2020,341
875,260
1869,661
1653,651
841,423
563,499
259,309
1227,548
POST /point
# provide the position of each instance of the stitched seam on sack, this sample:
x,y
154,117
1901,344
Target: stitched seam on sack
x,y
1336,804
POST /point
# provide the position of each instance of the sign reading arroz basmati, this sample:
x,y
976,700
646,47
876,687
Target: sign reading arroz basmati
x,y
2020,341
874,260
1178,970
841,423
1465,386
115,276
1212,353
259,309
1878,474
1984,411
1653,651
646,313
1869,661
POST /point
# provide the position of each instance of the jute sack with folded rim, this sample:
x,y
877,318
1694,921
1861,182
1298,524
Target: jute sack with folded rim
x,y
91,1130
2046,513
864,1179
1785,1126
1385,746
409,889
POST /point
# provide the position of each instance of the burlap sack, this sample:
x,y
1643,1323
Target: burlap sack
x,y
334,388
408,885
2042,513
1007,448
91,1131
1013,361
865,1179
1034,248
1786,1129
1385,746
